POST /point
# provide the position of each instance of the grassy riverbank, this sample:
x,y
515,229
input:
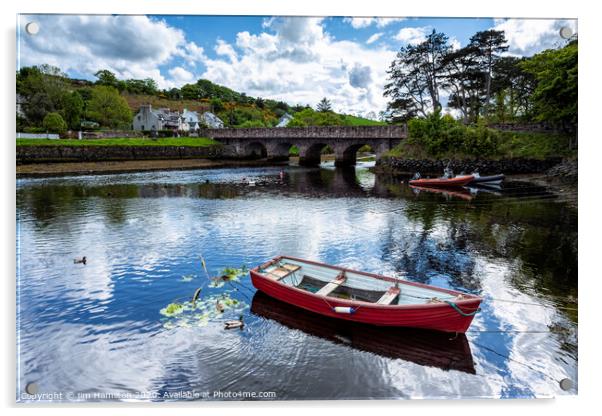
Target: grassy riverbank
x,y
172,141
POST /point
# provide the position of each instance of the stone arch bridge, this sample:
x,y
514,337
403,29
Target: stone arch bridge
x,y
274,143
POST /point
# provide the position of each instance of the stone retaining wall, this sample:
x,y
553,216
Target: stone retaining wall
x,y
45,154
435,167
525,127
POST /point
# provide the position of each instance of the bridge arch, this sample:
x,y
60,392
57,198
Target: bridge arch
x,y
280,150
255,150
311,154
346,154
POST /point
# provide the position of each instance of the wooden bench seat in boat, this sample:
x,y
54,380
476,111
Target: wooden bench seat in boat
x,y
339,280
389,296
282,271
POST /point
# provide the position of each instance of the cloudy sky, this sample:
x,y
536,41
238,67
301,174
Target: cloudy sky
x,y
295,59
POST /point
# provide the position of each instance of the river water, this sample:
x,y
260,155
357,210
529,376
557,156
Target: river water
x,y
102,331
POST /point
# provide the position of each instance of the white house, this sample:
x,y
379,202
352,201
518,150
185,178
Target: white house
x,y
164,119
284,120
212,121
160,119
191,120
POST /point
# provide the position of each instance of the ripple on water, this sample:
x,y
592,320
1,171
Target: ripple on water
x,y
98,327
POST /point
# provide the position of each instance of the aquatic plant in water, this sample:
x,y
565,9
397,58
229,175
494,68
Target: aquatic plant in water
x,y
228,274
172,309
200,313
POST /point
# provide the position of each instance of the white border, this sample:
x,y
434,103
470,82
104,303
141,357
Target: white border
x,y
589,225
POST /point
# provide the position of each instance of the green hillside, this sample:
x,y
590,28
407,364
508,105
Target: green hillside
x,y
50,101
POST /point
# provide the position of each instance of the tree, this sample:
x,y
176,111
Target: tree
x,y
108,108
430,55
324,105
174,94
462,79
310,117
43,89
217,105
555,96
73,107
488,44
54,123
415,76
106,78
512,86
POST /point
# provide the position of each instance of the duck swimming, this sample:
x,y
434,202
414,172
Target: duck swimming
x,y
236,323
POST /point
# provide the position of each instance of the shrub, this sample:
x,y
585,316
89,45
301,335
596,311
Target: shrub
x,y
309,117
295,122
481,141
252,123
54,123
35,130
440,135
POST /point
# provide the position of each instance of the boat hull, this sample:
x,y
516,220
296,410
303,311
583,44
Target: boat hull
x,y
442,182
435,316
488,180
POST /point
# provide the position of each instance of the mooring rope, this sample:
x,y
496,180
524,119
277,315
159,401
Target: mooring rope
x,y
460,311
566,308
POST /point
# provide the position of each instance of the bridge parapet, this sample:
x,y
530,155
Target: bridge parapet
x,y
317,132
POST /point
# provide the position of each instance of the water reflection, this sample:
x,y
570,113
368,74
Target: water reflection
x,y
427,348
142,232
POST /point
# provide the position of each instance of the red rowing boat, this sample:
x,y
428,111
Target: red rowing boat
x,y
364,297
439,182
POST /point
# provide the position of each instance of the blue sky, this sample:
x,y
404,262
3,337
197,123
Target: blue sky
x,y
295,59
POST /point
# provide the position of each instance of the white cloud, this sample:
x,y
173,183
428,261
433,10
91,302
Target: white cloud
x,y
412,35
191,53
181,76
529,36
130,46
292,59
296,61
454,43
225,49
374,38
360,76
361,22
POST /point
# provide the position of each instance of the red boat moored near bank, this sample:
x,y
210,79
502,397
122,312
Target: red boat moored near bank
x,y
440,182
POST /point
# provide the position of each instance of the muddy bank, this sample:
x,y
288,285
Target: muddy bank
x,y
85,168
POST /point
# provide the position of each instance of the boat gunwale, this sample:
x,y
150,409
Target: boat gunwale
x,y
469,300
489,178
455,181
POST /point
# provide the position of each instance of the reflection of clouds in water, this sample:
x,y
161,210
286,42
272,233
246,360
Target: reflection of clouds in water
x,y
533,355
430,383
80,360
76,319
